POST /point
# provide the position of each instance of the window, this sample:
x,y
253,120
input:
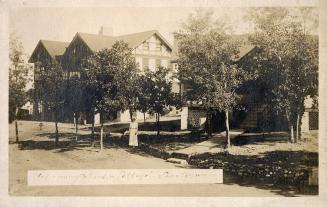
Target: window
x,y
145,46
158,46
170,66
65,75
145,64
75,74
158,63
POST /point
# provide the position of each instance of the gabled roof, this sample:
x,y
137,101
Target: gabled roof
x,y
98,42
54,48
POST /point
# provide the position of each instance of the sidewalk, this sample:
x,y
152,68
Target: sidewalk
x,y
213,145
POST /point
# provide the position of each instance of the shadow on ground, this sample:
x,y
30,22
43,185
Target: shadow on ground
x,y
61,135
277,188
258,138
67,142
282,172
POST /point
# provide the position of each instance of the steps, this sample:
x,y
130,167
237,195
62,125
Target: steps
x,y
177,161
179,155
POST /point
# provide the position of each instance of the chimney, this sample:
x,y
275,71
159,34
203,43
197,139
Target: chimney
x,y
108,31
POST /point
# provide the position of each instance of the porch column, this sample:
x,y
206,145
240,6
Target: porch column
x,y
305,122
97,118
184,116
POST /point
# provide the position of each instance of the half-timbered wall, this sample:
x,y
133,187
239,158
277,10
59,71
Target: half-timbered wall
x,y
152,53
41,59
75,54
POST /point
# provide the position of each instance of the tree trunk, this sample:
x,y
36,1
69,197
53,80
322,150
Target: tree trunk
x,y
57,133
101,133
76,126
92,133
297,128
209,115
144,117
227,129
16,125
291,128
75,119
209,124
16,129
158,124
131,114
292,133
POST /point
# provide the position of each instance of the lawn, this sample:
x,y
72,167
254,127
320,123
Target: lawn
x,y
269,159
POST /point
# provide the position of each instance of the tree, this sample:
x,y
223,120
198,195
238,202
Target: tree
x,y
126,77
18,79
144,94
100,79
206,55
74,99
89,95
52,89
287,62
158,92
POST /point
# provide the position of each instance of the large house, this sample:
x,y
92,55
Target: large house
x,y
149,48
252,116
45,53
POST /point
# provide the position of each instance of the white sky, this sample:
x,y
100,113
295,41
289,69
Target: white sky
x,y
33,24
32,20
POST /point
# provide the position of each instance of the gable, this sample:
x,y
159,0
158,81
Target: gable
x,y
98,42
75,53
55,48
153,45
40,54
48,50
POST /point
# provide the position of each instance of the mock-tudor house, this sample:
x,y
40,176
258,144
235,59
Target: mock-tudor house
x,y
193,116
149,48
252,115
45,53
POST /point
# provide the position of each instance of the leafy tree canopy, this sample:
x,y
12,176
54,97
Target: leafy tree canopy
x,y
206,54
18,77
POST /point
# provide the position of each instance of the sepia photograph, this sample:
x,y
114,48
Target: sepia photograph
x,y
194,101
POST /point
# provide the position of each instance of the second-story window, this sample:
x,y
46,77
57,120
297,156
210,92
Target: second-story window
x,y
158,63
75,74
145,64
145,46
65,75
158,46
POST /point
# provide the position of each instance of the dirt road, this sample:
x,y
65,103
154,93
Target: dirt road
x,y
85,157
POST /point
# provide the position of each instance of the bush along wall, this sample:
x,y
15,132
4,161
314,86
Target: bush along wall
x,y
282,167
